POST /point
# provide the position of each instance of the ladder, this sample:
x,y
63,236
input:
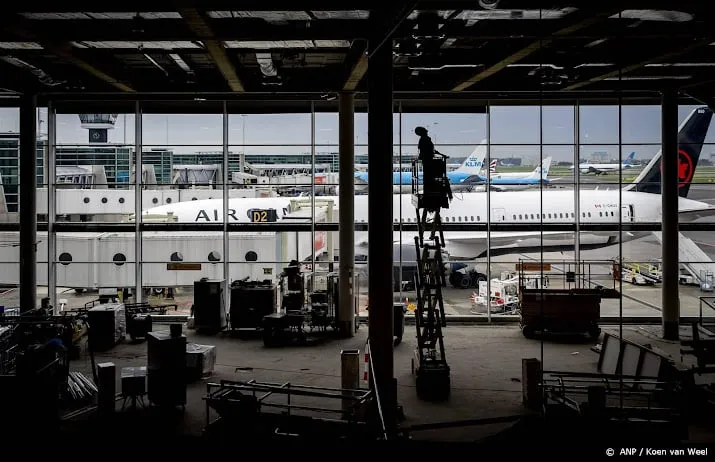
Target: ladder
x,y
429,364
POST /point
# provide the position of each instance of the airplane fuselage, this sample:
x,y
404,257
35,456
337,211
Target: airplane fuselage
x,y
519,207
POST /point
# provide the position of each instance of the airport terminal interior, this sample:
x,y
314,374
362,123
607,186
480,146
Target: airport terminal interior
x,y
482,222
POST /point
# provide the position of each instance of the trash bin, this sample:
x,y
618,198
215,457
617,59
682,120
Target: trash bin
x,y
399,311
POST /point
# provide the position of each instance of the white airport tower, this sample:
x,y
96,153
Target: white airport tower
x,y
98,126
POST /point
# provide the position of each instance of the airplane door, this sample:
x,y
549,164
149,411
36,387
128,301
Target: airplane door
x,y
497,215
627,213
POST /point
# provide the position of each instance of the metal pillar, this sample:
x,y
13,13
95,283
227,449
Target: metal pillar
x,y
380,311
138,296
669,197
312,189
51,180
225,192
28,202
346,212
577,181
488,193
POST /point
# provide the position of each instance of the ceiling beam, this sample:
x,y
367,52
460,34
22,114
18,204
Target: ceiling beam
x,y
64,50
701,95
199,25
632,67
356,62
386,27
578,20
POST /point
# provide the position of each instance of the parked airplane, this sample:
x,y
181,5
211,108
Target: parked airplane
x,y
513,180
471,166
639,202
599,169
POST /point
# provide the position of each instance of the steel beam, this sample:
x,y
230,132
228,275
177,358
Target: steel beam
x,y
582,19
680,51
200,26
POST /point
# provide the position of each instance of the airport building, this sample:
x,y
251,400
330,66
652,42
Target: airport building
x,y
541,276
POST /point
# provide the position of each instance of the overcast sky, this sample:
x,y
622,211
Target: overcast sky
x,y
454,134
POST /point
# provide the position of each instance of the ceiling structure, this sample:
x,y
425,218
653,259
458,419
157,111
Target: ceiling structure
x,y
448,47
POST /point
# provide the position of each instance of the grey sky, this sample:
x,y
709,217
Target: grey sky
x,y
515,131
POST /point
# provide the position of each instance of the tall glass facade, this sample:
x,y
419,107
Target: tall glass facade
x,y
567,192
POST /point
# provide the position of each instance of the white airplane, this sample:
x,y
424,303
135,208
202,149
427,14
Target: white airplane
x,y
599,169
639,202
512,180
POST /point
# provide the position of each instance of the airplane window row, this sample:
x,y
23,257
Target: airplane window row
x,y
520,216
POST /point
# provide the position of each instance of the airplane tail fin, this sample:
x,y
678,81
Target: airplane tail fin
x,y
474,163
691,136
629,160
542,170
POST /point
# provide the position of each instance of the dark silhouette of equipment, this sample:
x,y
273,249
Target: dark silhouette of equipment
x,y
250,302
429,365
209,307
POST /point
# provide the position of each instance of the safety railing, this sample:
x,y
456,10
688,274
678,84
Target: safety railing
x,y
706,314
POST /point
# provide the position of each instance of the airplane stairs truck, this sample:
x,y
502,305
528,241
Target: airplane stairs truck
x,y
696,263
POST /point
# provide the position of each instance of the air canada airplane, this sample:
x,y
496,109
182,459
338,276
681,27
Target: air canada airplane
x,y
599,169
639,202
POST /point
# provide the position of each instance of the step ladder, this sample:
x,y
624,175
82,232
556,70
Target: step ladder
x,y
429,364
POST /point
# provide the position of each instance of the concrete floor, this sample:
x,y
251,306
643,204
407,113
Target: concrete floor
x,y
485,363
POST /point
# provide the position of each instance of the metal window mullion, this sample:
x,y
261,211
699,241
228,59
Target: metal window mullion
x,y
51,176
577,178
399,138
487,187
226,267
312,186
137,201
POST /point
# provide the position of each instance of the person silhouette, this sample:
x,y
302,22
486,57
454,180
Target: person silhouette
x,y
433,172
425,146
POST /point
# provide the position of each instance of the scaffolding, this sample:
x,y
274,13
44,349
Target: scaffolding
x,y
430,193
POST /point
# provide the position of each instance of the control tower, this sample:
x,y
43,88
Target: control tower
x,y
98,124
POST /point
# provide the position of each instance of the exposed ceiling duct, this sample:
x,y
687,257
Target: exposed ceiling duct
x,y
268,69
41,75
489,4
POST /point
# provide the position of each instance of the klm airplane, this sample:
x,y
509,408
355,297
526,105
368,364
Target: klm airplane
x,y
469,169
497,180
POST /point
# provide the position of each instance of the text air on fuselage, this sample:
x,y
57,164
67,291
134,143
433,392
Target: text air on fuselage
x,y
254,215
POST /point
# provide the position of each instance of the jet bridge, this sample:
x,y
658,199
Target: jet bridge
x,y
300,210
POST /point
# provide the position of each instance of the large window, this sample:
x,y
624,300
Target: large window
x,y
240,195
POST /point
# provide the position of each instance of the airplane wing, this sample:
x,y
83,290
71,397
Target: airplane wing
x,y
696,213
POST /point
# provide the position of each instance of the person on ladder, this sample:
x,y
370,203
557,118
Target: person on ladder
x,y
433,170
